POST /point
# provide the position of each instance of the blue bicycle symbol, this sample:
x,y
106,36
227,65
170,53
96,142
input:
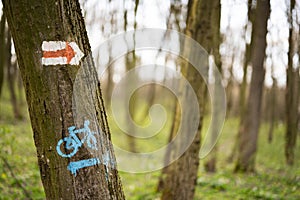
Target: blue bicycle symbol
x,y
73,143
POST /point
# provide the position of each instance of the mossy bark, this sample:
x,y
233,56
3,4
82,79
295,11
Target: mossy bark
x,y
49,92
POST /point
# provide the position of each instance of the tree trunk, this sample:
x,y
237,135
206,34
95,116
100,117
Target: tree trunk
x,y
179,183
272,104
230,87
173,132
210,165
11,78
130,64
292,97
2,49
110,70
247,140
243,87
88,174
247,58
167,156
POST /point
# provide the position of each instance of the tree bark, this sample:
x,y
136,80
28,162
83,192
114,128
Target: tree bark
x,y
181,176
248,132
292,97
49,92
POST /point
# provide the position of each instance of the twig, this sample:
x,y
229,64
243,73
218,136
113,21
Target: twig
x,y
18,182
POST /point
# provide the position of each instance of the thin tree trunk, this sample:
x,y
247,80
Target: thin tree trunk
x,y
292,97
272,109
210,165
229,88
243,87
49,92
130,64
110,71
20,87
167,156
248,133
11,78
229,106
2,49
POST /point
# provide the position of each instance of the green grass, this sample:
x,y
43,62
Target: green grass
x,y
17,148
272,180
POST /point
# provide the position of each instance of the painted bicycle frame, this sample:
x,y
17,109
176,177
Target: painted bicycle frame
x,y
73,142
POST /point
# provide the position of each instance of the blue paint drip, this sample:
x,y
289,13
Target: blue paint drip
x,y
75,166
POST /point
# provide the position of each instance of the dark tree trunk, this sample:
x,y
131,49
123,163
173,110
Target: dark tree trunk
x,y
49,92
292,97
248,133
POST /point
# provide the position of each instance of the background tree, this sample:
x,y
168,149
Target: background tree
x,y
292,92
49,92
272,106
2,47
180,183
247,139
210,165
243,86
12,77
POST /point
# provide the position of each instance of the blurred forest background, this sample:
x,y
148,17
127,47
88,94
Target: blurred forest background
x,y
257,155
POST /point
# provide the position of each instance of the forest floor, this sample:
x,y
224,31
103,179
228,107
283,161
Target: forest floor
x,y
19,173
